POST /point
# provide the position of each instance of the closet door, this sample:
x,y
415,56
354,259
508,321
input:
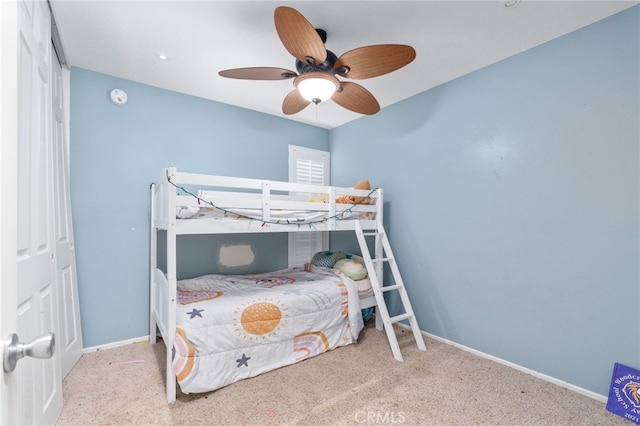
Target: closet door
x,y
310,166
69,335
39,382
8,196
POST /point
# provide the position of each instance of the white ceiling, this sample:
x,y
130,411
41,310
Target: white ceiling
x,y
451,38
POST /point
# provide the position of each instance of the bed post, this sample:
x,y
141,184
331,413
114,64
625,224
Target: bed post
x,y
172,288
171,329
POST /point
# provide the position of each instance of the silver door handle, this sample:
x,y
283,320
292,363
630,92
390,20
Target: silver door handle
x,y
41,347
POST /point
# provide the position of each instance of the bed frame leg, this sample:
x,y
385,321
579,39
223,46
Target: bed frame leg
x,y
153,331
379,323
171,379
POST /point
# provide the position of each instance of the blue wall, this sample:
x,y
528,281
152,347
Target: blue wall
x,y
118,151
513,202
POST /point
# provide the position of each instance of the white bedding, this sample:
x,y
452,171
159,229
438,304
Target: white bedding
x,y
285,216
234,327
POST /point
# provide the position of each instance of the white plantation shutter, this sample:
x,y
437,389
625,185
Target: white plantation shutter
x,y
309,171
309,166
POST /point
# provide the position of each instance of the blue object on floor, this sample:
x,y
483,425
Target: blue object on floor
x,y
624,394
367,314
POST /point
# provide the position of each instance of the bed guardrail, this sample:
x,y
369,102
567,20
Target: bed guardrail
x,y
262,201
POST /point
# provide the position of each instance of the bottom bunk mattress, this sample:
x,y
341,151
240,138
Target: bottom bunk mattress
x,y
230,328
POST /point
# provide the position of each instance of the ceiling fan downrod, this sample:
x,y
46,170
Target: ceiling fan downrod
x,y
310,64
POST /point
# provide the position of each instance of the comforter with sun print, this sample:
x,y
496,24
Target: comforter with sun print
x,y
234,327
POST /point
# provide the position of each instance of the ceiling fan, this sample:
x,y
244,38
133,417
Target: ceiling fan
x,y
317,67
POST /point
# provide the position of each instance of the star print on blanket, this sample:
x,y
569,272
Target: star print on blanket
x,y
244,360
195,313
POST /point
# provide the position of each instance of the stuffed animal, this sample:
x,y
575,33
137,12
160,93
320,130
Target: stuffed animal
x,y
319,198
351,268
327,259
351,199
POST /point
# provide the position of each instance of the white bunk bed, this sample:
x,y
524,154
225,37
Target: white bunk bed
x,y
226,205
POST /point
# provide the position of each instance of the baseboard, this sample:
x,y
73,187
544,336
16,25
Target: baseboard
x,y
561,383
116,344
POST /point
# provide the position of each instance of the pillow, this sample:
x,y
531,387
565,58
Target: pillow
x,y
351,268
327,259
364,287
186,212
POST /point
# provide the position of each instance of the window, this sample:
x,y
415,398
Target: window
x,y
310,166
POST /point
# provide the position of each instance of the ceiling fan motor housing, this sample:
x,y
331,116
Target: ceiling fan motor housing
x,y
326,66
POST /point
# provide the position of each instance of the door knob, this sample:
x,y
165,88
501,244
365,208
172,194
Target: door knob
x,y
40,347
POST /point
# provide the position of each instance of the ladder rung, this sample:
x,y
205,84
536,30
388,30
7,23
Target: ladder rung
x,y
382,259
369,234
390,287
400,318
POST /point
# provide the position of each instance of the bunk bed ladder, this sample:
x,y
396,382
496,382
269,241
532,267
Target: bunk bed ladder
x,y
383,254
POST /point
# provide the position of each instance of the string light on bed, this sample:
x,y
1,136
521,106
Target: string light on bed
x,y
298,222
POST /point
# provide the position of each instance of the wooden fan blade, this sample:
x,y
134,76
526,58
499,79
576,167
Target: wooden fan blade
x,y
372,61
294,103
258,73
299,37
356,98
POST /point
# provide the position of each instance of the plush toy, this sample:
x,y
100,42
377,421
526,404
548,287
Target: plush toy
x,y
319,198
350,199
351,268
327,259
367,314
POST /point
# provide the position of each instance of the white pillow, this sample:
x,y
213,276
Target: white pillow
x,y
186,212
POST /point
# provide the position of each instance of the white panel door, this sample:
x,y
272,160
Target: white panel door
x,y
69,338
8,191
35,386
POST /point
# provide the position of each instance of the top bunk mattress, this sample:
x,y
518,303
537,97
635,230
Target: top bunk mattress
x,y
279,216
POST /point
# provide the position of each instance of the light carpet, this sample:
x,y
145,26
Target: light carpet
x,y
360,384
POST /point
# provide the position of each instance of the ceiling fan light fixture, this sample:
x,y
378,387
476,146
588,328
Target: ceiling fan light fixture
x,y
316,87
317,67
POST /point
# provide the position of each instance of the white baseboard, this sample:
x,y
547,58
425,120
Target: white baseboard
x,y
561,383
116,344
